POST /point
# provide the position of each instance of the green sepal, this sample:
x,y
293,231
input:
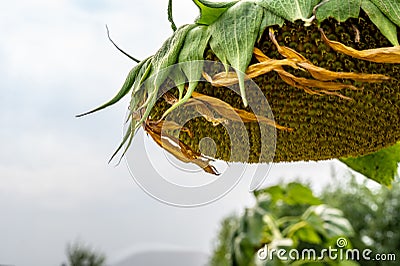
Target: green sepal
x,y
210,11
341,10
164,58
291,10
235,43
191,59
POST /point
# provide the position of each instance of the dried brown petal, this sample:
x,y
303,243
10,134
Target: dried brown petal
x,y
319,72
167,125
235,114
378,55
325,75
178,149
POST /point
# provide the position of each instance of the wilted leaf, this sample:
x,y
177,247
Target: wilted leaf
x,y
191,59
234,44
340,10
291,10
192,54
378,55
165,57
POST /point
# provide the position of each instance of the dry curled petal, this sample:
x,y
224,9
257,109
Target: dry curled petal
x,y
179,149
234,114
319,72
378,55
326,75
162,126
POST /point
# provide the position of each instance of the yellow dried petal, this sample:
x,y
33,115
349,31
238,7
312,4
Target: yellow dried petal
x,y
378,55
179,149
235,114
326,75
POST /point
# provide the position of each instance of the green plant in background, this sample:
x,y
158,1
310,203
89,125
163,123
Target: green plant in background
x,y
79,254
285,217
328,68
286,214
374,215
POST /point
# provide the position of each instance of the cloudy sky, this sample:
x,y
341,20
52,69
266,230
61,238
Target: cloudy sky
x,y
55,184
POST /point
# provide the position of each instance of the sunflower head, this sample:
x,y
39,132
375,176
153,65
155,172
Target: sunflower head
x,y
328,70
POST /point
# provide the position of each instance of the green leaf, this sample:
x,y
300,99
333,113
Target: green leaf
x,y
385,26
293,194
347,263
300,194
381,166
291,10
309,235
340,10
254,226
330,219
233,37
391,8
210,11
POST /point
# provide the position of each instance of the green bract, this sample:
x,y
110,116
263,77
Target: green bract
x,y
229,31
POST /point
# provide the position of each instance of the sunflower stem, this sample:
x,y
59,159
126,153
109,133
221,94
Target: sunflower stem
x,y
170,18
119,49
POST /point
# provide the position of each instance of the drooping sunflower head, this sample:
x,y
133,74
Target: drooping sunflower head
x,y
329,71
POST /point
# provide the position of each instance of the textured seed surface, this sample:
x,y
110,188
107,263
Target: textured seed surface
x,y
324,126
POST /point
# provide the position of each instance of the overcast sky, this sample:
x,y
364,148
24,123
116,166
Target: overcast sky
x,y
55,183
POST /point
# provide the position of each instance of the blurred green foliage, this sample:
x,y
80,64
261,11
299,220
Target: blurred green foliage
x,y
79,254
284,217
291,217
374,215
